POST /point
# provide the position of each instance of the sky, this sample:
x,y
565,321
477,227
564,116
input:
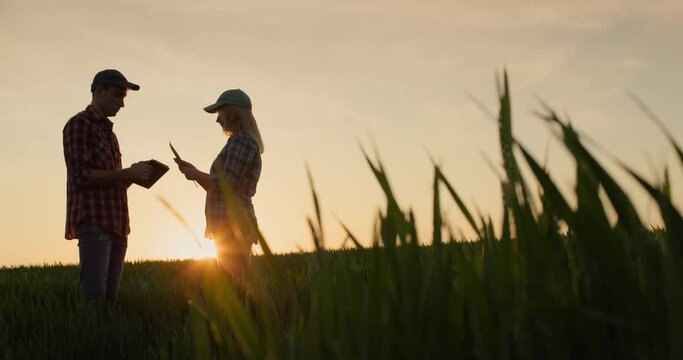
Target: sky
x,y
327,79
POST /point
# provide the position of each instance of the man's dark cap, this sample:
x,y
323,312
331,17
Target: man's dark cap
x,y
112,77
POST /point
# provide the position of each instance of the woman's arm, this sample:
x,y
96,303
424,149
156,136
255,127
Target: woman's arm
x,y
192,173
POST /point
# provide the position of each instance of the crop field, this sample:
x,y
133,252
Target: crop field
x,y
551,281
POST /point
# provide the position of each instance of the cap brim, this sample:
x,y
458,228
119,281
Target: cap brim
x,y
212,108
134,87
124,85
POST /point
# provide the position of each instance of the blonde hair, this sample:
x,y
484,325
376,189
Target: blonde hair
x,y
245,120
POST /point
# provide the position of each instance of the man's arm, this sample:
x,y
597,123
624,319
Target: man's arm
x,y
78,160
138,171
76,151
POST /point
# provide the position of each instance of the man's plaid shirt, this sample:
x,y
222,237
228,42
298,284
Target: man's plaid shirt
x,y
90,144
239,163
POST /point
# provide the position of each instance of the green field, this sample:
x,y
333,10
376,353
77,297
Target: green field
x,y
42,315
551,281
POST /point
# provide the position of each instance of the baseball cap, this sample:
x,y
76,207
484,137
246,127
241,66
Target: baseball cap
x,y
112,77
235,97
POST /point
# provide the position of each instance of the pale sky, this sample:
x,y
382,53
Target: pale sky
x,y
323,77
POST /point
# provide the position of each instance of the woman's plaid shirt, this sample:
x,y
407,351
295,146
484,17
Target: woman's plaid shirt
x,y
240,163
90,144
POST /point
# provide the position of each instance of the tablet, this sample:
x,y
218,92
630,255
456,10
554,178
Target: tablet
x,y
158,170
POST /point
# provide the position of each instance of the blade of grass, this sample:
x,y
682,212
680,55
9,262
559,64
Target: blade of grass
x,y
180,218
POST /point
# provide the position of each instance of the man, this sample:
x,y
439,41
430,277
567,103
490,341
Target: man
x,y
97,205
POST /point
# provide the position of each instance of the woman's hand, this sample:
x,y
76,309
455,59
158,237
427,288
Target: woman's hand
x,y
189,170
194,174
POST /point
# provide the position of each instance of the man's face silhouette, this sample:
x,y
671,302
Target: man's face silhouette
x,y
109,99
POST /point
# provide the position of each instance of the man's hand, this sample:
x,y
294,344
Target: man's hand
x,y
189,170
140,170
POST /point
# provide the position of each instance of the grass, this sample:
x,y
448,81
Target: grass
x,y
549,281
42,314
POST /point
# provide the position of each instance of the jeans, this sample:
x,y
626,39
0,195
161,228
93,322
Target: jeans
x,y
101,256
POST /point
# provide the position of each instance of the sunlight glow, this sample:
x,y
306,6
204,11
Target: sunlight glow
x,y
185,241
208,250
186,248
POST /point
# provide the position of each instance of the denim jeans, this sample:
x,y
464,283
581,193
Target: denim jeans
x,y
101,256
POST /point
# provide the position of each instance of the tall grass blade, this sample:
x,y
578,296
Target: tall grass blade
x,y
674,267
628,216
437,220
180,218
672,218
316,230
458,201
651,115
560,206
394,224
512,171
352,237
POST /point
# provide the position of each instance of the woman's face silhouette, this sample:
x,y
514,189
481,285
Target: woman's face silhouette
x,y
228,119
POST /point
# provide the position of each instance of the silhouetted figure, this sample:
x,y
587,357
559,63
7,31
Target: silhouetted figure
x,y
231,182
96,201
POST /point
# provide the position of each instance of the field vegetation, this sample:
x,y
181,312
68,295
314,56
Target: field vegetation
x,y
550,281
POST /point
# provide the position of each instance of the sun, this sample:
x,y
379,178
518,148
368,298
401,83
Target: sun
x,y
207,250
184,240
185,246
199,248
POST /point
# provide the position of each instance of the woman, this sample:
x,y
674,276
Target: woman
x,y
231,182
